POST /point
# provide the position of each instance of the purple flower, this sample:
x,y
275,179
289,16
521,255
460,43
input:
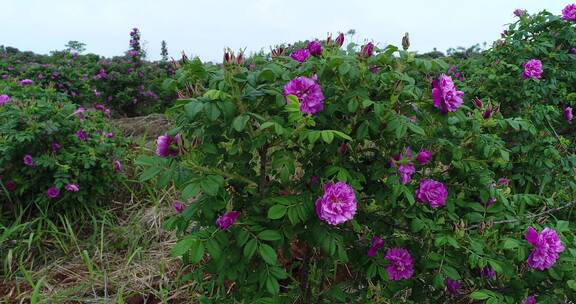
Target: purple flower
x,y
547,246
401,264
81,134
573,50
377,243
568,114
72,188
300,55
110,135
519,12
117,166
167,145
315,48
227,219
178,206
340,40
487,272
432,192
569,12
405,166
503,181
367,49
532,69
80,113
374,68
445,96
4,99
26,82
337,204
423,156
55,147
53,192
28,160
308,92
489,202
453,286
10,185
529,300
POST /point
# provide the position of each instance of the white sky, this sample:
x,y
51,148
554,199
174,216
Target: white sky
x,y
204,28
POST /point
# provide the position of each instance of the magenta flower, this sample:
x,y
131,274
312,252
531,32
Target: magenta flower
x,y
487,272
10,185
529,300
489,202
569,12
453,286
53,192
568,114
503,181
337,204
72,188
315,48
401,264
80,113
404,164
377,243
367,50
532,69
178,206
423,156
308,92
55,147
573,50
26,82
117,166
547,246
28,160
300,55
82,135
167,145
110,135
227,219
445,96
432,192
519,12
340,40
4,99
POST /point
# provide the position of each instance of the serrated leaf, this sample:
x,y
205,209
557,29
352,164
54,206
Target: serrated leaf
x,y
276,212
269,235
268,254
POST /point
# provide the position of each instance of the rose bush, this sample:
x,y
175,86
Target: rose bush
x,y
298,181
54,155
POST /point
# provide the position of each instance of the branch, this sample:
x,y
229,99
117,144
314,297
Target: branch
x,y
263,151
510,221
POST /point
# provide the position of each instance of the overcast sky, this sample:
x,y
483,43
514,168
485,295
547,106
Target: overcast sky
x,y
204,28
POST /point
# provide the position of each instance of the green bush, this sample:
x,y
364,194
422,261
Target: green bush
x,y
41,148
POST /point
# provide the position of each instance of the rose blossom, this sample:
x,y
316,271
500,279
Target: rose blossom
x,y
227,219
569,12
445,96
367,49
28,160
300,55
82,135
547,246
178,206
117,166
377,243
337,204
487,272
308,92
72,187
532,69
401,264
4,99
452,286
432,192
166,145
26,82
405,166
530,300
53,192
519,12
568,114
423,156
315,48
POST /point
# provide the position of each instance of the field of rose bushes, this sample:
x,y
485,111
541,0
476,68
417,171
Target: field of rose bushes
x,y
321,172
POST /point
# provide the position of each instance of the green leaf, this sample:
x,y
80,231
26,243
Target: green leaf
x,y
250,248
272,285
278,273
451,272
562,226
214,249
269,235
481,295
212,111
268,254
277,211
211,184
416,129
196,252
150,173
193,108
182,246
239,123
191,190
327,136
